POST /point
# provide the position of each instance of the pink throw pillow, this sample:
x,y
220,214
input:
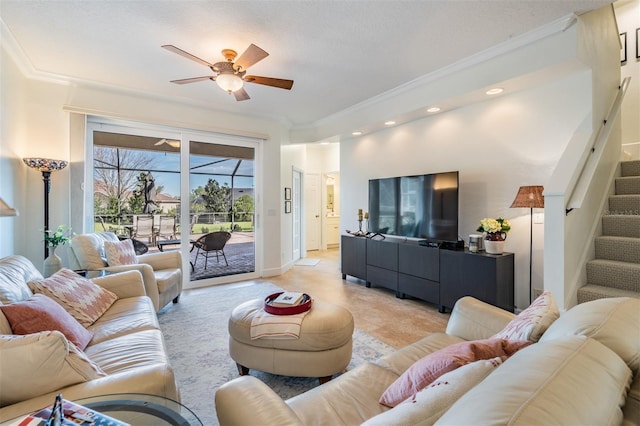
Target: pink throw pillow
x,y
531,323
120,253
40,313
432,366
85,300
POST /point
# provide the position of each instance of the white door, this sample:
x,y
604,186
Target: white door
x,y
297,214
312,202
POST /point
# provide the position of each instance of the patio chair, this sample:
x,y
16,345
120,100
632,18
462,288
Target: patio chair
x,y
210,244
143,228
167,227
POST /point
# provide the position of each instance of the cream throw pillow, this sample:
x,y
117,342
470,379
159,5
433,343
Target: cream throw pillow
x,y
120,253
531,323
35,364
81,298
430,403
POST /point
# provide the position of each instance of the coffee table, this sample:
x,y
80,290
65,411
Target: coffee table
x,y
142,409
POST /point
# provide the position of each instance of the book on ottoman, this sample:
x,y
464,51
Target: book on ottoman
x,y
287,299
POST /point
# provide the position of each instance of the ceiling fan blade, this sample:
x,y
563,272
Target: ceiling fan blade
x,y
249,57
187,55
193,80
241,95
268,81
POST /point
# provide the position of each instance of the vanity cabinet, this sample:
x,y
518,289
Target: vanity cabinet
x,y
332,231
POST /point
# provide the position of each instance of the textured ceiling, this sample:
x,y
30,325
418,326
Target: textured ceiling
x,y
339,53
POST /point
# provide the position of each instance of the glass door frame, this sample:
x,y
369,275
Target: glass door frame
x,y
108,125
213,138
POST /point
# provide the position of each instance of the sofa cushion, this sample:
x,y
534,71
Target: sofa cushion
x,y
15,272
40,313
120,253
89,249
429,404
125,316
568,381
129,352
429,368
35,364
349,399
83,299
611,321
531,323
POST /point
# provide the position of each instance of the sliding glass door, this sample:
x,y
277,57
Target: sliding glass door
x,y
171,190
222,209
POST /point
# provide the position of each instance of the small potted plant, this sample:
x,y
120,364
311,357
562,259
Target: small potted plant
x,y
56,238
495,233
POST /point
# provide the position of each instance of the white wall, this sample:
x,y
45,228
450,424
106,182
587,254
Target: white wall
x,y
628,18
497,146
12,170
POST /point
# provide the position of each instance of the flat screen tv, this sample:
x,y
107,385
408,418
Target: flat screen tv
x,y
423,207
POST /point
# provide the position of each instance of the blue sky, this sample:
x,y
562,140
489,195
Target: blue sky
x,y
171,162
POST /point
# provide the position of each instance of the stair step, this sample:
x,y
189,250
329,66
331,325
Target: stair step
x,y
624,204
628,185
630,168
622,249
592,292
611,273
621,225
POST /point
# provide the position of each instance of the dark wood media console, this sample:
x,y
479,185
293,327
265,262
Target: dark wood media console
x,y
435,275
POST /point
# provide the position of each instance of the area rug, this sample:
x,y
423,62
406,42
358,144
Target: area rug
x,y
307,262
196,335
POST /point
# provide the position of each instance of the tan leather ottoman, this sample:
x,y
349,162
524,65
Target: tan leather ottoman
x,y
322,349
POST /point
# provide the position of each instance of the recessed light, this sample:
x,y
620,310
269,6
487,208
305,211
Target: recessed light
x,y
389,123
494,91
433,109
358,133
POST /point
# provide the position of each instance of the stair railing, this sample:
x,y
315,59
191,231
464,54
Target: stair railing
x,y
580,182
579,186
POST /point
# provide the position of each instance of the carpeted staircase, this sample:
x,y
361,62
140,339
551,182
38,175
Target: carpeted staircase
x,y
615,271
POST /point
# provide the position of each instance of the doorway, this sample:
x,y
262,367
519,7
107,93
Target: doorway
x,y
297,214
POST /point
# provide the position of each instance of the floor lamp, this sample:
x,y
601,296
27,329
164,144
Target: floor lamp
x,y
46,166
531,197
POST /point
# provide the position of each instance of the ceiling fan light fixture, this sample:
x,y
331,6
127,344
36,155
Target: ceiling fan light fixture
x,y
229,82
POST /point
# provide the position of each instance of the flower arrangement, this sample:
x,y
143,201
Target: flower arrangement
x,y
59,237
495,228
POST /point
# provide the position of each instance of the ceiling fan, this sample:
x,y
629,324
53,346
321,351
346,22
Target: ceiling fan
x,y
230,75
171,142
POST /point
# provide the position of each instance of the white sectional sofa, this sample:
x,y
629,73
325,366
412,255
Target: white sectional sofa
x,y
582,371
127,347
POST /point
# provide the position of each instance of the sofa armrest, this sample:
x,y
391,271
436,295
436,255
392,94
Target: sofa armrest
x,y
123,284
151,379
148,279
162,260
248,401
472,319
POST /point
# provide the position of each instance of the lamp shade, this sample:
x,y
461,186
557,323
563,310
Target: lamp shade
x,y
229,82
45,164
5,210
530,197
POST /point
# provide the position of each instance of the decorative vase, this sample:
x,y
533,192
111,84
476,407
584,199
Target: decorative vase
x,y
52,263
494,242
494,247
